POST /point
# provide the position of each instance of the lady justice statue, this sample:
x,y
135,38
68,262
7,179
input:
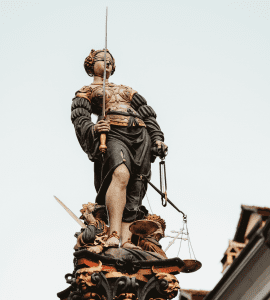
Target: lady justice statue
x,y
132,131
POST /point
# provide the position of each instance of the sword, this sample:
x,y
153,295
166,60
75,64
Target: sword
x,y
71,213
103,147
174,239
105,64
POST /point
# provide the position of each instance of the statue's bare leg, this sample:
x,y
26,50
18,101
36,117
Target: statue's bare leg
x,y
116,201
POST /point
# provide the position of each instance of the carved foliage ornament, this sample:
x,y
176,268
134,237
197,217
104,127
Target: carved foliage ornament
x,y
126,296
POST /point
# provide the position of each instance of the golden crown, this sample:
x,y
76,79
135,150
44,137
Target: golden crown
x,y
158,219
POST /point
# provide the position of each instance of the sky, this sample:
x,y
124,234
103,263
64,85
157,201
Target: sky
x,y
204,68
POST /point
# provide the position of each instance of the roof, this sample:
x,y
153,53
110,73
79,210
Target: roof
x,y
262,235
244,219
195,292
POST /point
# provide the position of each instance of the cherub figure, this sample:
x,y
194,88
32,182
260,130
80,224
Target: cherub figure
x,y
132,130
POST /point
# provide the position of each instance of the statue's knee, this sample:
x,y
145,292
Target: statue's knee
x,y
121,175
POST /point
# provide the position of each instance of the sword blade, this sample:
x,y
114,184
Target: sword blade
x,y
70,213
105,64
172,242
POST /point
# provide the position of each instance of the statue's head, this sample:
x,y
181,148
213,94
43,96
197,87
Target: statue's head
x,y
83,279
159,233
83,276
94,63
171,283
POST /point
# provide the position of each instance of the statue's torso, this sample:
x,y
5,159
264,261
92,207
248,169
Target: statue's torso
x,y
117,99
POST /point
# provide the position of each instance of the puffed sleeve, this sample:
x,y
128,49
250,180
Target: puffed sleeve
x,y
84,127
148,115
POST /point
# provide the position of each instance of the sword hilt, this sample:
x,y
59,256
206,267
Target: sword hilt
x,y
102,146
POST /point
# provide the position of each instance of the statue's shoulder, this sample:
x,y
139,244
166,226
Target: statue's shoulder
x,y
85,92
127,91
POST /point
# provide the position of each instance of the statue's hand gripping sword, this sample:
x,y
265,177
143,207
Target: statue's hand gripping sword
x,y
103,147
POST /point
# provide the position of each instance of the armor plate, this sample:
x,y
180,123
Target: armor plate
x,y
118,98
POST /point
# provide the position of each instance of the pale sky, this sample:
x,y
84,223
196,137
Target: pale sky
x,y
204,68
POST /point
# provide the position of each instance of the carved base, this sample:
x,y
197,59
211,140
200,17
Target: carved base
x,y
101,277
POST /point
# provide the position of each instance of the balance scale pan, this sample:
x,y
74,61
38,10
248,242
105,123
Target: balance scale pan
x,y
191,265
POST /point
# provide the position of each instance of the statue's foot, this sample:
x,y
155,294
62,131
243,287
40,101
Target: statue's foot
x,y
95,249
113,240
129,245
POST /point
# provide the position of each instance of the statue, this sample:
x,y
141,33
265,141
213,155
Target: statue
x,y
132,130
122,144
139,269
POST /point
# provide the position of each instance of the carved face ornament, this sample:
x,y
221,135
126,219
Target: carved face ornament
x,y
173,284
159,233
83,276
83,280
126,296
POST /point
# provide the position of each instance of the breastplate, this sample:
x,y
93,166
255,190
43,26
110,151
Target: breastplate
x,y
117,99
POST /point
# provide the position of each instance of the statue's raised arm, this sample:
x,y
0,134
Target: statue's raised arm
x,y
132,130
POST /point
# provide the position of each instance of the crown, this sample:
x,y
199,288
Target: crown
x,y
158,219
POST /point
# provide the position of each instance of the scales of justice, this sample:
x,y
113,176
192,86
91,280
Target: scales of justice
x,y
117,254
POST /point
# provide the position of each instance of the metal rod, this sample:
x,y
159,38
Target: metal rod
x,y
163,195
